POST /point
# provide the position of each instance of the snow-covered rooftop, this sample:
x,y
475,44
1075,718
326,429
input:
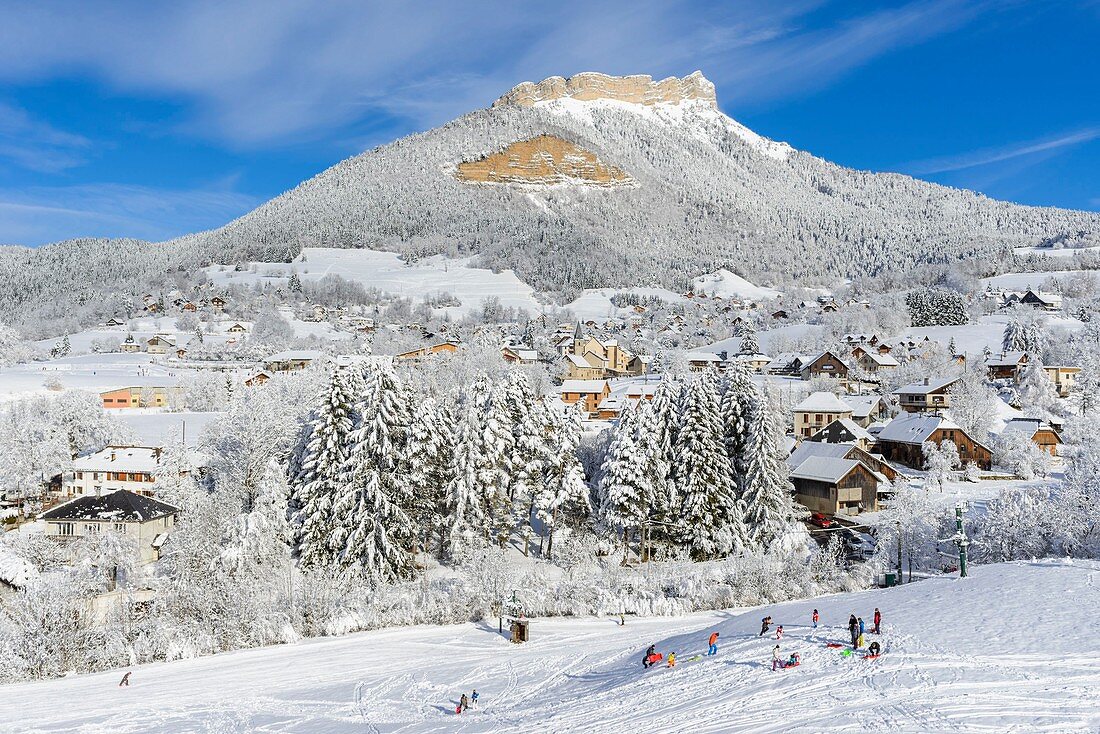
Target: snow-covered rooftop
x,y
584,386
824,469
822,402
120,506
914,428
928,386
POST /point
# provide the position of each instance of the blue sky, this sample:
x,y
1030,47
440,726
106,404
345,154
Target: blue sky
x,y
151,119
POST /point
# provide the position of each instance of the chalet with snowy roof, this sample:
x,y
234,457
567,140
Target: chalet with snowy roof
x,y
703,361
129,345
871,360
1063,377
835,479
417,355
145,521
257,378
845,430
816,411
755,362
621,396
928,395
111,322
519,354
788,364
586,393
138,469
292,360
867,409
825,364
236,328
876,462
1006,365
1041,433
217,303
901,440
1044,301
159,344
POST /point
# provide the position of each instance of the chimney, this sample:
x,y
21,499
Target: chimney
x,y
112,454
925,380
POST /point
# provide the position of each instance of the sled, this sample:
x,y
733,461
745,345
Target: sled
x,y
792,665
872,657
833,645
458,709
654,659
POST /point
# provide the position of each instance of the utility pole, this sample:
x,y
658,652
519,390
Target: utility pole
x,y
899,551
961,540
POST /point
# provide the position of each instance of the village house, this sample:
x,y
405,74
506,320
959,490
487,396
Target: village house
x,y
292,360
417,355
129,345
585,355
519,354
877,463
1064,378
113,468
872,360
1006,365
217,303
139,396
835,486
587,393
901,440
1044,301
755,362
818,410
867,409
927,395
159,344
145,521
236,328
1041,433
578,368
111,322
845,430
826,364
257,378
619,397
703,361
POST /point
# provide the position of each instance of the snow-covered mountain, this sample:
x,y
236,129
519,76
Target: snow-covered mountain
x,y
589,182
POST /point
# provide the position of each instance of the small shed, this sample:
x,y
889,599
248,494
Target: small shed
x,y
521,629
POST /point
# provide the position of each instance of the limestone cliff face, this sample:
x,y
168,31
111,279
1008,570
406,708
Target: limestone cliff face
x,y
543,160
636,89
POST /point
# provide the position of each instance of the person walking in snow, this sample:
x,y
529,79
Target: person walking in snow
x,y
779,632
672,660
473,698
463,703
713,649
815,619
622,620
777,662
125,680
878,622
853,629
765,623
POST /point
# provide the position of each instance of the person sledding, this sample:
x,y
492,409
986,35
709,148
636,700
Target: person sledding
x,y
765,623
651,656
712,648
793,661
874,650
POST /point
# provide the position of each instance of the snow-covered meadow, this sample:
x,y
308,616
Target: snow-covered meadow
x,y
1008,649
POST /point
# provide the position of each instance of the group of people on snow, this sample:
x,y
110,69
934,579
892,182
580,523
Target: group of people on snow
x,y
465,702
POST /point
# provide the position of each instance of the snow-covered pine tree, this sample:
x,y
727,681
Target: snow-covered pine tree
x,y
430,456
255,544
739,395
749,343
1024,332
657,425
373,534
936,307
1036,390
317,471
771,516
624,487
709,517
563,495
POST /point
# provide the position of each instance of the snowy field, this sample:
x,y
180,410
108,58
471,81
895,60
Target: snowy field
x,y
387,272
1013,648
1023,281
92,372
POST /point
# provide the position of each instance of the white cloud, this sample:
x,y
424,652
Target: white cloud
x,y
257,72
988,156
33,216
36,145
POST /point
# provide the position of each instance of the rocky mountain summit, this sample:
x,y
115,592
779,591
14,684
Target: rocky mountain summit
x,y
635,89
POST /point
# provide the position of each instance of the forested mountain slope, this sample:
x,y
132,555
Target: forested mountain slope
x,y
586,182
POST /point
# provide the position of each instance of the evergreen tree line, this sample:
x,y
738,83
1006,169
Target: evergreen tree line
x,y
701,468
382,472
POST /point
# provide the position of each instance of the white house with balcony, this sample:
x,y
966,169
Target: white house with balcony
x,y
137,469
143,520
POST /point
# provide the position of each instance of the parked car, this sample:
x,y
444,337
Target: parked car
x,y
816,518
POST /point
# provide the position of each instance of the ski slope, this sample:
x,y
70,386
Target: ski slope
x,y
1012,648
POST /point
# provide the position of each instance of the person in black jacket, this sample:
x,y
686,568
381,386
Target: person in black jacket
x,y
853,628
